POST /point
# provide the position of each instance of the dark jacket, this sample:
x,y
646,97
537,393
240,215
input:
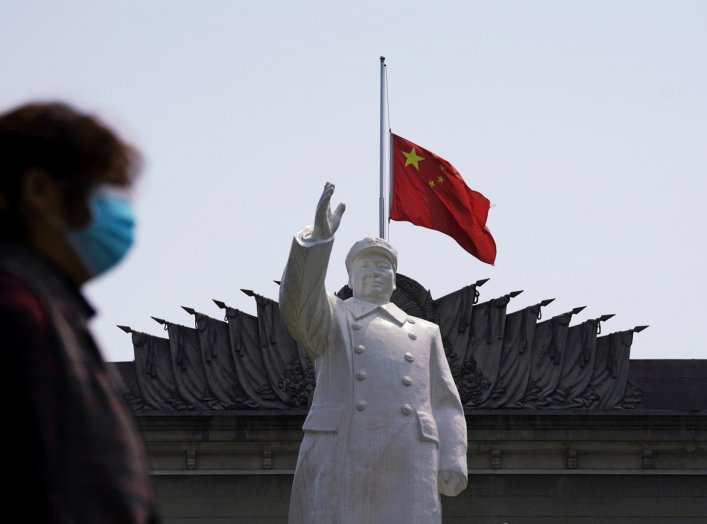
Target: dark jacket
x,y
75,451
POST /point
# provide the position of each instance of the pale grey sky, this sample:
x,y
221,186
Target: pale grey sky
x,y
585,124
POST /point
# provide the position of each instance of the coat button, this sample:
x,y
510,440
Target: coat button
x,y
359,349
411,320
406,409
412,336
361,375
407,381
409,357
356,327
361,405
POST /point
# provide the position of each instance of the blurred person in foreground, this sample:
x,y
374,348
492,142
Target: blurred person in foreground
x,y
65,217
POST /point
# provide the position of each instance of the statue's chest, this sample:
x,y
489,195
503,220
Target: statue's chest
x,y
379,331
391,347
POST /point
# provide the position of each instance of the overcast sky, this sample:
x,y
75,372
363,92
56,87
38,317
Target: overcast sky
x,y
584,123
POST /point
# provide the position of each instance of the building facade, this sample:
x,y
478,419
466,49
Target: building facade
x,y
563,426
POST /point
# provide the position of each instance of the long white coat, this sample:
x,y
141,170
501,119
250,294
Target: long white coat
x,y
386,416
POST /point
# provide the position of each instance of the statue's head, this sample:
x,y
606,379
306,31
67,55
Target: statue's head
x,y
372,264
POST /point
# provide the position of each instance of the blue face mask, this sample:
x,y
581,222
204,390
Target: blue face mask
x,y
109,235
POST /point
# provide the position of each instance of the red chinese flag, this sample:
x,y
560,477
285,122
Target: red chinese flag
x,y
429,192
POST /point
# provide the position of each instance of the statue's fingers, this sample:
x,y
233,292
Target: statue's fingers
x,y
324,200
340,209
328,191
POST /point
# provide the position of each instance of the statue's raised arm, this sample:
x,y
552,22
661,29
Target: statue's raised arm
x,y
304,305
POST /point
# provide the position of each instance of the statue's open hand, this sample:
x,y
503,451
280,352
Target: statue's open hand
x,y
325,222
451,483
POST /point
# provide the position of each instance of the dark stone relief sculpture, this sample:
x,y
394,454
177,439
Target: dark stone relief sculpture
x,y
283,360
610,378
248,360
155,374
455,326
516,358
219,364
498,359
548,355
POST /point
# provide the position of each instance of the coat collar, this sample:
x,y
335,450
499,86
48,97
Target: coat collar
x,y
360,308
31,264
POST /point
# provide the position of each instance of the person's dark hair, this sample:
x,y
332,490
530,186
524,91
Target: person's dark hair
x,y
75,148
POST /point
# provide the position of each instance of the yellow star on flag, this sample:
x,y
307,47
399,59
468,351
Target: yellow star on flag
x,y
412,158
431,183
440,179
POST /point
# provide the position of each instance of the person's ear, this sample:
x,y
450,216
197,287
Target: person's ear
x,y
39,193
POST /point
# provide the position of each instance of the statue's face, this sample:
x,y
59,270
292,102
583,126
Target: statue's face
x,y
372,277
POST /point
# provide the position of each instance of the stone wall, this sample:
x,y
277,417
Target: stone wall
x,y
525,467
489,499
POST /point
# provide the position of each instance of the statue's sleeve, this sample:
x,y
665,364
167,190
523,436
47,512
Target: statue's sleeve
x,y
447,411
305,307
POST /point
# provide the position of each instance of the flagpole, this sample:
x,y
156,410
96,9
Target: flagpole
x,y
390,174
381,200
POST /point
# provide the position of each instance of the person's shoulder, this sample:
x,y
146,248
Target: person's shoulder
x,y
19,302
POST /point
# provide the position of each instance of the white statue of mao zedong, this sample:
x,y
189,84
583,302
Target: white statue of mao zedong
x,y
386,433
